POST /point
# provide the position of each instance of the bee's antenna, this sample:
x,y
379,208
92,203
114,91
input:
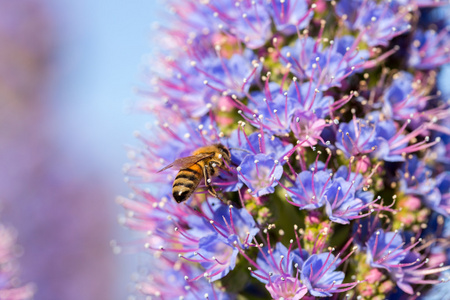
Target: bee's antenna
x,y
240,150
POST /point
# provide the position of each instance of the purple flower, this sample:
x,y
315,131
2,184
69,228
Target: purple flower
x,y
319,275
279,112
275,107
260,173
405,279
430,49
254,26
309,189
300,56
359,183
173,280
439,198
401,100
390,143
193,20
327,67
248,21
236,225
277,261
286,288
415,177
356,137
290,15
385,250
381,139
9,287
378,23
308,128
242,145
347,46
393,145
412,272
216,255
177,89
216,76
341,204
229,76
441,152
363,229
310,99
278,269
211,238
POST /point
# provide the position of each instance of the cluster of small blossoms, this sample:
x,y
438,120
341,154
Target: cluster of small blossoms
x,y
339,182
10,286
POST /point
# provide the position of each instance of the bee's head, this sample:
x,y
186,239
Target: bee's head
x,y
225,153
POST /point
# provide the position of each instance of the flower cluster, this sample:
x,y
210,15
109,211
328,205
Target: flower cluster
x,y
338,180
10,287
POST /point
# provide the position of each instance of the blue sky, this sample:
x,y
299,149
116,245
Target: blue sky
x,y
98,63
101,48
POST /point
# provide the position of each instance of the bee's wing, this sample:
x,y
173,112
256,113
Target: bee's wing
x,y
185,162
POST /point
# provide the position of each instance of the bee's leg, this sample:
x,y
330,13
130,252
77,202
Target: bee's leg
x,y
207,175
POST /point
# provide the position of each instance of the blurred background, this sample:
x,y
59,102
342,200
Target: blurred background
x,y
67,73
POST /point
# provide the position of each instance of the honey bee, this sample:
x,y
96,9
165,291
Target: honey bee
x,y
205,162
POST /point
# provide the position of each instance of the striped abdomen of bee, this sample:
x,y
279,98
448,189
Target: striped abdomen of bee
x,y
206,163
186,181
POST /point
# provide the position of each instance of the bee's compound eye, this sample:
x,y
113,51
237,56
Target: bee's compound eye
x,y
226,151
223,148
